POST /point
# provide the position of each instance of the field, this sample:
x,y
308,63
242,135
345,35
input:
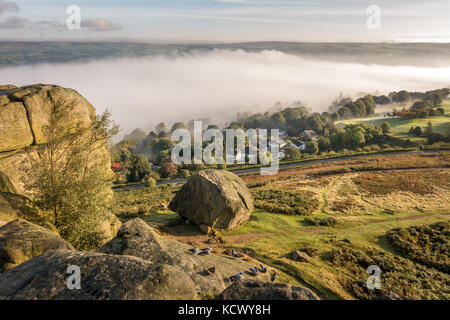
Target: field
x,y
345,216
400,127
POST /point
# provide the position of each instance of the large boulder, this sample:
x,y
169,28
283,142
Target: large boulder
x,y
21,240
257,290
102,277
137,238
214,198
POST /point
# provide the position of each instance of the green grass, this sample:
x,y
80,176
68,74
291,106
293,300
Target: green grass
x,y
284,233
400,127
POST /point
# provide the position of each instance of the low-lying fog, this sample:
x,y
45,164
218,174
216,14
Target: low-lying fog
x,y
144,91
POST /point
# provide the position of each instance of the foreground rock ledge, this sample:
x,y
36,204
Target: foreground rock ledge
x,y
214,199
257,290
137,238
21,240
103,277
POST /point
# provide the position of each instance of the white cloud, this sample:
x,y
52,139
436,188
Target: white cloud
x,y
12,23
100,24
8,6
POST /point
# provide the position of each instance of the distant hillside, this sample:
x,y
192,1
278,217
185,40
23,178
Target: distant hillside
x,y
421,54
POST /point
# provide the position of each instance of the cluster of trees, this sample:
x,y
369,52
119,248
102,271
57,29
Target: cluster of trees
x,y
427,104
432,137
297,118
363,107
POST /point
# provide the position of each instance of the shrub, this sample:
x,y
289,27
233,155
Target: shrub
x,y
399,276
427,245
155,175
149,182
318,221
278,201
184,173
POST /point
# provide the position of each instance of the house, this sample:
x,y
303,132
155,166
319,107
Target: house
x,y
298,144
116,167
283,134
310,135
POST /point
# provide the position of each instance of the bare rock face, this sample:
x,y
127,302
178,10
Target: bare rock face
x,y
137,238
102,277
30,107
214,198
14,206
21,240
257,290
15,131
24,113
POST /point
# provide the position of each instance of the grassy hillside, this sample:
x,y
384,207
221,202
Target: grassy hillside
x,y
400,127
356,204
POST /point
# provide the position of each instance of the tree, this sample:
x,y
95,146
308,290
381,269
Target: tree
x,y
161,127
385,127
418,131
70,181
429,128
403,96
292,153
312,148
178,125
324,144
139,168
168,168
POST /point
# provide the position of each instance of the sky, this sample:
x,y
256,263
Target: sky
x,y
229,20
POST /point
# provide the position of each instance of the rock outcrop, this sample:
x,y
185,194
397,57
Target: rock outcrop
x,y
136,238
141,264
21,240
24,114
102,277
299,256
214,198
257,290
14,206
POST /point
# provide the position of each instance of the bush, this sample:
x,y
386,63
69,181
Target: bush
x,y
399,275
427,245
155,175
278,201
149,182
317,221
184,173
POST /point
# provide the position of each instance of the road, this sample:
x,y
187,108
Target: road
x,y
286,166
